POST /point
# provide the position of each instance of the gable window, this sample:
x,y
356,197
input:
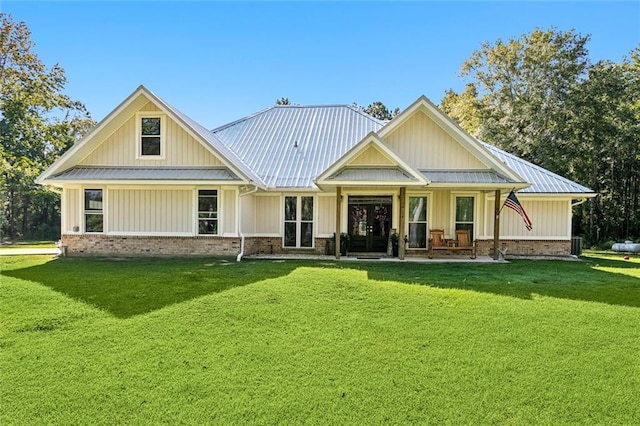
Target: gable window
x,y
151,136
417,222
93,213
298,221
464,214
208,211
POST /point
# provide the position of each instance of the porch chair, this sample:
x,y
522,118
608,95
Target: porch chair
x,y
436,241
464,242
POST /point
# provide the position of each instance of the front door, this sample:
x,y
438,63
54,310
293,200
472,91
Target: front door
x,y
369,223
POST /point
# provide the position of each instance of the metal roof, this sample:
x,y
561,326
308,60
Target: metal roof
x,y
290,146
464,176
541,180
148,173
372,174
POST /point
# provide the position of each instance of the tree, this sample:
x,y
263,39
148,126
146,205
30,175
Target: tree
x,y
37,124
522,86
464,108
380,111
283,101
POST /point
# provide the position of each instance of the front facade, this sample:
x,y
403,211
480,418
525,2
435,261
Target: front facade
x,y
149,181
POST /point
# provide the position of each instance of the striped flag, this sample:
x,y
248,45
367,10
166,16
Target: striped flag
x,y
513,203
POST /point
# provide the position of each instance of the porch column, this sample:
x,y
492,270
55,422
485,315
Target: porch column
x,y
496,226
401,230
338,211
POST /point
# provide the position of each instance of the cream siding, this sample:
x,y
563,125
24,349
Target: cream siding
x,y
248,214
326,216
425,145
71,210
551,220
228,212
268,215
371,157
150,211
180,148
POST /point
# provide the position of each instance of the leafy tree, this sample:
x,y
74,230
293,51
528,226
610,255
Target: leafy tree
x,y
37,124
464,108
283,101
380,111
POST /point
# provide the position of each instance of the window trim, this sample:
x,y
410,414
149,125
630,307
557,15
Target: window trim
x,y
299,221
196,209
102,211
163,131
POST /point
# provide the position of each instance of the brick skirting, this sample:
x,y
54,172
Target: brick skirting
x,y
527,247
134,246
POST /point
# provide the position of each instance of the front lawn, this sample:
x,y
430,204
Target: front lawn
x,y
212,341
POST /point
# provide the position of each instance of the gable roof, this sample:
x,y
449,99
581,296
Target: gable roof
x,y
123,112
340,173
290,145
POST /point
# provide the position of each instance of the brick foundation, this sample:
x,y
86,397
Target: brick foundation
x,y
527,247
134,246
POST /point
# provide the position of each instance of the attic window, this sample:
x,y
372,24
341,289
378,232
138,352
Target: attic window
x,y
151,131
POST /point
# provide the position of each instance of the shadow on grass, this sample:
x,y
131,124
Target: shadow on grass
x,y
129,287
523,279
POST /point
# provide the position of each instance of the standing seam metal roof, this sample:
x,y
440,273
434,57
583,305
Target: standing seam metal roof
x,y
541,180
289,146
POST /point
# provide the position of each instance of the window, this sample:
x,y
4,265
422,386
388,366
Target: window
x,y
150,136
417,222
464,214
93,213
208,211
298,222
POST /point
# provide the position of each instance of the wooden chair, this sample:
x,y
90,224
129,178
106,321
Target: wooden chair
x,y
462,242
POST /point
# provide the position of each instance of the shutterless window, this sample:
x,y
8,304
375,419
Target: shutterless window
x,y
298,221
417,222
207,212
93,213
150,136
464,214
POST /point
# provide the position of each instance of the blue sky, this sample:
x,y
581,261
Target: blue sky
x,y
218,62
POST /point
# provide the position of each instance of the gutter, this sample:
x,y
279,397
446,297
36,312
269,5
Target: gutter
x,y
241,254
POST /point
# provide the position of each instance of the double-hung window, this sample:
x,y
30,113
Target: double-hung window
x,y
417,222
93,213
464,214
298,221
208,211
150,136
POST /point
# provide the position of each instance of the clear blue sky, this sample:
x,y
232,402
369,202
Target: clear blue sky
x,y
218,62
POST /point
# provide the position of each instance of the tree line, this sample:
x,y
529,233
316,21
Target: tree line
x,y
536,96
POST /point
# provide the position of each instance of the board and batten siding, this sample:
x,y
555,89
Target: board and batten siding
x,y
150,211
248,214
326,215
551,220
371,157
425,145
268,215
180,148
71,210
227,200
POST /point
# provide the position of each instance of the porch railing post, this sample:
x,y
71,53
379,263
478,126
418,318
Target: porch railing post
x,y
496,226
401,230
338,211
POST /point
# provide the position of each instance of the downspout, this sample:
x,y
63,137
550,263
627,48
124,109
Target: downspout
x,y
239,257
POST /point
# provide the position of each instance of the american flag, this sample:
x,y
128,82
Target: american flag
x,y
513,203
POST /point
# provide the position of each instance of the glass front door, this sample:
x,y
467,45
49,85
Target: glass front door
x,y
369,223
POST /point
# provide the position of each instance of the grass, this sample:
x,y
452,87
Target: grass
x,y
146,341
27,244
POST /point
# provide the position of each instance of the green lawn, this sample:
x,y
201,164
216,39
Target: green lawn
x,y
27,244
147,341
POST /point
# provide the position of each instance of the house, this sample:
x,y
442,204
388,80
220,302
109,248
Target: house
x,y
148,180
